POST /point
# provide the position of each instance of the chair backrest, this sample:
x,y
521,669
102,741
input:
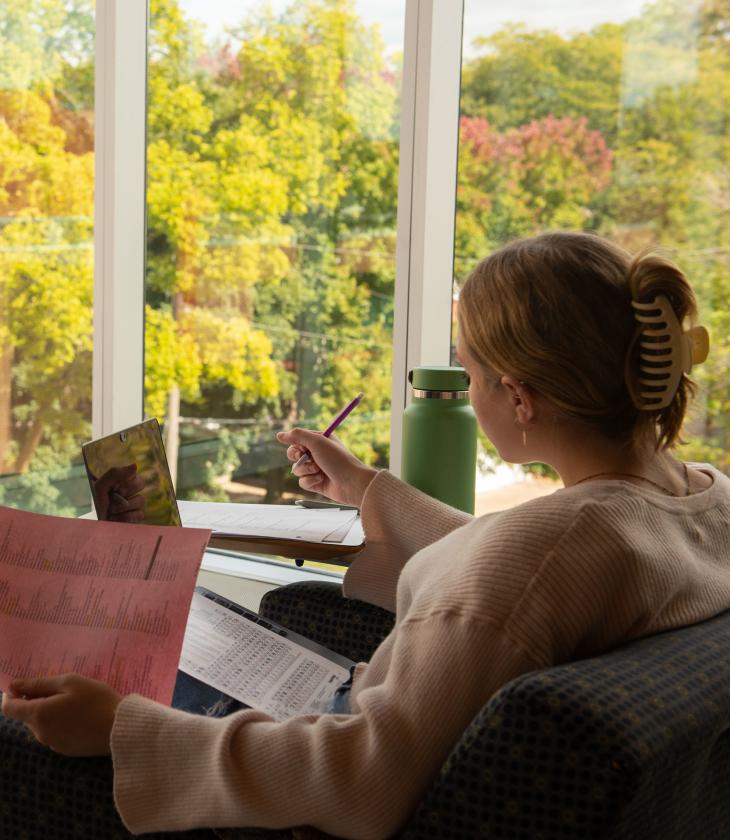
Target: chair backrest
x,y
631,744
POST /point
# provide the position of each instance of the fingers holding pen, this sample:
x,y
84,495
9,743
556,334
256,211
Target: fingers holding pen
x,y
294,452
307,470
297,449
333,471
305,465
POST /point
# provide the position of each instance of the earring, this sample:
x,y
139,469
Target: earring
x,y
524,437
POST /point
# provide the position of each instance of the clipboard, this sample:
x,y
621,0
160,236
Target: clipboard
x,y
343,538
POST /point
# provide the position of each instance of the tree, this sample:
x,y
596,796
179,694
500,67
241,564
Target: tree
x,y
272,174
524,76
46,195
542,175
272,207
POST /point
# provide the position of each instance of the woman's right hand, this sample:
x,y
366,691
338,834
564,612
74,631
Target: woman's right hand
x,y
332,470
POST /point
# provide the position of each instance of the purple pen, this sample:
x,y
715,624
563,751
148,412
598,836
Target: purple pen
x,y
333,425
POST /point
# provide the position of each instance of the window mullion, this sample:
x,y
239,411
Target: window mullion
x,y
119,214
426,195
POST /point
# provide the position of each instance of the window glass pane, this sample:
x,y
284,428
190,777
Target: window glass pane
x,y
46,251
611,118
271,207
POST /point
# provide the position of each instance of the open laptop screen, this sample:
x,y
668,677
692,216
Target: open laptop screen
x,y
129,476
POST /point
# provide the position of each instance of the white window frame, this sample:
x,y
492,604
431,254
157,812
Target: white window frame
x,y
119,214
429,141
426,204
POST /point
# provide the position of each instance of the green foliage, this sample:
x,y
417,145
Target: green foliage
x,y
37,491
272,177
37,40
176,358
46,270
539,176
525,76
271,216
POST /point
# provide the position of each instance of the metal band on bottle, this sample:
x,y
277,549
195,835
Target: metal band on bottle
x,y
440,395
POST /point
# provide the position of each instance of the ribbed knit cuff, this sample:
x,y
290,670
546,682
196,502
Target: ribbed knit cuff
x,y
160,760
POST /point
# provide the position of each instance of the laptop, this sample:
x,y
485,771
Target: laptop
x,y
108,461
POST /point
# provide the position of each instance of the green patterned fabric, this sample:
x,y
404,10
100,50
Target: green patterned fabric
x,y
631,745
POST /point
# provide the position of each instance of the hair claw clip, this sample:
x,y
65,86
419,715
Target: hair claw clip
x,y
666,352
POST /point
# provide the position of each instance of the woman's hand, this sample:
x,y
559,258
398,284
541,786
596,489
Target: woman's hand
x,y
332,471
70,714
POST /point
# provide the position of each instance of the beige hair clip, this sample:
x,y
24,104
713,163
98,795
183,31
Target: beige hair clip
x,y
666,352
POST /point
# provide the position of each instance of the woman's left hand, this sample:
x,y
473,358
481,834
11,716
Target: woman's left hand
x,y
70,714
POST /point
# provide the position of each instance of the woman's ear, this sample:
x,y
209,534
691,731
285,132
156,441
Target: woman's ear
x,y
522,397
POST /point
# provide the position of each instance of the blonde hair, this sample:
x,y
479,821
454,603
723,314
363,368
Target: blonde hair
x,y
555,311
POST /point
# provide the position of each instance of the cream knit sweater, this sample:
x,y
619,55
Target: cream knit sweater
x,y
477,602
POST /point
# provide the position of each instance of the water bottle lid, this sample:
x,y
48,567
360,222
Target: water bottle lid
x,y
439,379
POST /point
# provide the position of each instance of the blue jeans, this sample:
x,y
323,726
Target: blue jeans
x,y
192,695
340,703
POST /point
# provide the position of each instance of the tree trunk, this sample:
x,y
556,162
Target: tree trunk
x,y
172,421
275,479
6,406
172,431
31,441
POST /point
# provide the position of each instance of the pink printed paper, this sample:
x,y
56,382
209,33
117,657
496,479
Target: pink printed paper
x,y
102,599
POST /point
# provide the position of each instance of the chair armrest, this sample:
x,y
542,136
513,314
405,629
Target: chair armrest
x,y
631,743
319,611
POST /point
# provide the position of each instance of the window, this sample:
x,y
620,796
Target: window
x,y
46,251
605,119
272,172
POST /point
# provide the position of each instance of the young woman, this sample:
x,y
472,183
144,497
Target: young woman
x,y
578,359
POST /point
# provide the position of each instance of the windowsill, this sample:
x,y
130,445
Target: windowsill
x,y
256,567
245,578
262,569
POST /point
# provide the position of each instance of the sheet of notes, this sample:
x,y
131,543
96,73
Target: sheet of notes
x,y
280,521
106,600
255,665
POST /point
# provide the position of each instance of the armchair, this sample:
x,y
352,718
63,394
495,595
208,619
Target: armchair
x,y
631,744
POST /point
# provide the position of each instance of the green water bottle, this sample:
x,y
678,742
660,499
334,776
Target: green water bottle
x,y
440,436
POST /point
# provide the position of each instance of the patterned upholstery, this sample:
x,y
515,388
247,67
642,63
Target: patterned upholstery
x,y
45,796
320,612
632,745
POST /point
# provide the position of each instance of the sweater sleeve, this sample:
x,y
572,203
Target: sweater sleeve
x,y
342,774
398,521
